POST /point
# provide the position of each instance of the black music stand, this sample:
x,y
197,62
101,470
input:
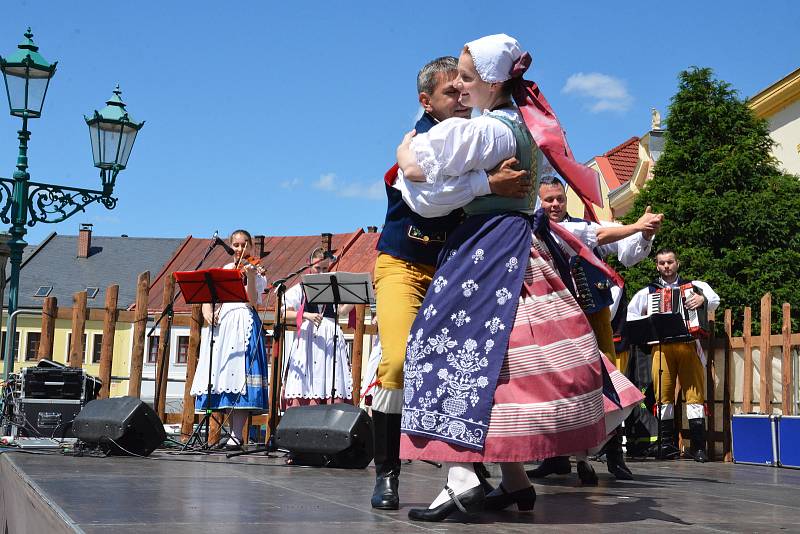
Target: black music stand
x,y
338,288
656,329
209,286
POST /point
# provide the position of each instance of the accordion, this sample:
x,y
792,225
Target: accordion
x,y
673,300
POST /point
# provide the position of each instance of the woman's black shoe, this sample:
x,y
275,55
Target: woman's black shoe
x,y
525,499
557,465
586,474
469,502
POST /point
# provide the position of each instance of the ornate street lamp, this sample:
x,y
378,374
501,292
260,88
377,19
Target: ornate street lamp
x,y
27,75
23,202
112,132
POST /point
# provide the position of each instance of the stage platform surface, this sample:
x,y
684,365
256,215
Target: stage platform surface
x,y
165,493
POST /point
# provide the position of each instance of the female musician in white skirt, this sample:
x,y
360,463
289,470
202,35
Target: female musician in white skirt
x,y
239,362
310,366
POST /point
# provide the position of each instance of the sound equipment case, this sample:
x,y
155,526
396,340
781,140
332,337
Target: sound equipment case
x,y
754,439
789,441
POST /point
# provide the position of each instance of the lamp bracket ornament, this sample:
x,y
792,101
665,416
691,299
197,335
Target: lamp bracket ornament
x,y
51,204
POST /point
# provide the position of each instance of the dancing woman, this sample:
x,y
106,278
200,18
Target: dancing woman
x,y
239,363
501,364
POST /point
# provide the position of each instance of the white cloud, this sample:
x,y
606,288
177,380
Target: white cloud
x,y
325,182
291,184
330,182
600,91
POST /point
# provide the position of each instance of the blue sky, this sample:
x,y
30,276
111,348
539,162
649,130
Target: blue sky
x,y
281,117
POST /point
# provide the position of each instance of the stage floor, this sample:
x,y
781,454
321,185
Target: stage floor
x,y
192,494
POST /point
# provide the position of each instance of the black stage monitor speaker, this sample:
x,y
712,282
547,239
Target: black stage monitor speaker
x,y
126,424
331,435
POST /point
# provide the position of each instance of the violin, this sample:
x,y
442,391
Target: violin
x,y
255,262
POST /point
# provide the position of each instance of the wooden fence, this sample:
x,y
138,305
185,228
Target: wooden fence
x,y
720,350
722,380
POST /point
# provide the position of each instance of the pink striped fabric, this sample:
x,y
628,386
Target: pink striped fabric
x,y
549,399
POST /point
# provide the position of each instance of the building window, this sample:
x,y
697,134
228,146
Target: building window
x,y
43,291
97,347
182,356
69,347
16,346
91,292
152,349
32,345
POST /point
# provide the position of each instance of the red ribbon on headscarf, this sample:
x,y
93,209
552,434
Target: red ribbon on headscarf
x,y
546,131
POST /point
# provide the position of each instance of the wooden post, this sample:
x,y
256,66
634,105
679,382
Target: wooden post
x,y
711,396
747,388
78,328
765,404
727,405
358,352
215,427
49,315
162,363
787,372
139,331
187,421
107,348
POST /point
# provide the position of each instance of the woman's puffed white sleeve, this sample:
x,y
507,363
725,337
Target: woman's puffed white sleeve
x,y
456,146
261,285
292,297
447,194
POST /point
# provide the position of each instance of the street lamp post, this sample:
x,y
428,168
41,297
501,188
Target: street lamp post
x,y
23,203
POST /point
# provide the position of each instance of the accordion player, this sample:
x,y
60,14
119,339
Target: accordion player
x,y
673,300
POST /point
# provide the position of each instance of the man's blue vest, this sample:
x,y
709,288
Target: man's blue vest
x,y
409,236
592,286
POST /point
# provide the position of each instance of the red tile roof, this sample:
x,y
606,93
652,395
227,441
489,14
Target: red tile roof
x,y
285,254
623,159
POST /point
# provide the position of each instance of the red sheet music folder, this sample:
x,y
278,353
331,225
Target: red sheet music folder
x,y
224,285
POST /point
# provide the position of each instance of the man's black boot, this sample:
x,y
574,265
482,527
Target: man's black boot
x,y
615,458
387,460
668,449
558,465
697,433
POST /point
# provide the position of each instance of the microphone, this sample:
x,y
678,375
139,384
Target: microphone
x,y
219,242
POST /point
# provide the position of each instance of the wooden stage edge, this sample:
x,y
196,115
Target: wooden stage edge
x,y
166,492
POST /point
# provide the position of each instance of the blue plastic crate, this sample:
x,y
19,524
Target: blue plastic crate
x,y
789,441
755,439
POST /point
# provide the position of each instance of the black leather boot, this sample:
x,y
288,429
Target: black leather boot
x,y
586,473
668,449
558,465
615,458
387,460
697,433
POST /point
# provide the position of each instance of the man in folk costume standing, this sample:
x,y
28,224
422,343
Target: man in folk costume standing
x,y
595,298
684,360
408,248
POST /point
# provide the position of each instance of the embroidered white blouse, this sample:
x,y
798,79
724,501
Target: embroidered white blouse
x,y
454,155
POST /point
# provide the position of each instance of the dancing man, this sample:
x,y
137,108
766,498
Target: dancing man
x,y
595,298
408,248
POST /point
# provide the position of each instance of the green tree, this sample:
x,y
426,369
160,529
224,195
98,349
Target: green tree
x,y
730,213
